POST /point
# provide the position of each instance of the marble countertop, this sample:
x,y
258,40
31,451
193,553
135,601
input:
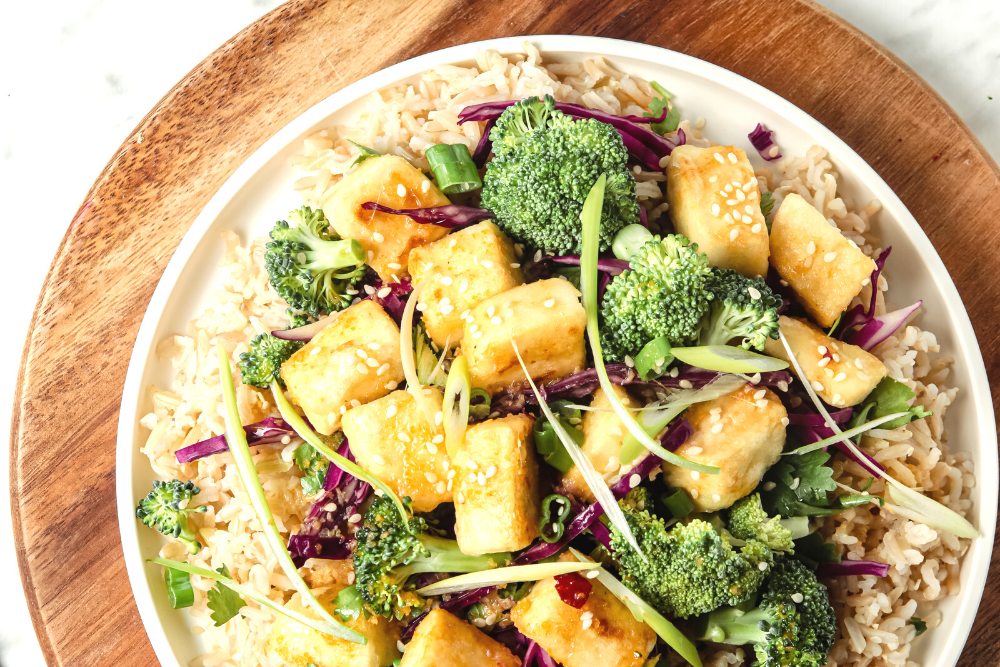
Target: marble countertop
x,y
112,60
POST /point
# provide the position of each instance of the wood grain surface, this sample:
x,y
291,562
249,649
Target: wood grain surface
x,y
90,308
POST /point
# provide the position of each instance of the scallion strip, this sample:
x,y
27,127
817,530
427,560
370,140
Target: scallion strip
x,y
455,407
514,574
592,208
654,358
238,447
454,169
679,503
850,433
179,590
728,359
413,384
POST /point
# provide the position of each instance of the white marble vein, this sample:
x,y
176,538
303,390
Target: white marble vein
x,y
77,75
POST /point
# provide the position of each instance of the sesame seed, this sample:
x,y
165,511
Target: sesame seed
x,y
587,622
378,237
829,257
797,598
355,518
464,285
866,282
733,234
593,574
392,385
749,184
446,280
587,614
372,362
550,302
437,439
401,190
369,290
471,479
481,478
477,335
438,418
461,498
762,403
816,385
285,439
714,418
384,292
784,421
473,328
361,369
452,243
421,307
361,353
451,474
694,493
717,428
629,361
448,487
784,283
728,217
773,152
857,362
633,481
496,320
756,228
753,292
811,248
430,477
716,209
487,264
431,448
836,357
723,193
836,399
760,394
382,370
370,256
330,417
716,497
731,202
395,266
403,437
718,156
763,565
737,215
729,187
823,362
447,308
795,484
686,384
695,474
740,196
427,391
713,179
732,158
424,187
491,471
315,351
749,209
840,377
374,346
378,460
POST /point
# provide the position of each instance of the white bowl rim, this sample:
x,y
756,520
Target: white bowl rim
x,y
967,345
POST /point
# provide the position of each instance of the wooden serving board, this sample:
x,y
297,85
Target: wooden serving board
x,y
75,359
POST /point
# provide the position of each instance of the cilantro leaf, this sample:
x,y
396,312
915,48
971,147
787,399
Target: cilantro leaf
x,y
920,625
797,485
349,604
224,602
365,153
673,118
888,397
314,465
766,205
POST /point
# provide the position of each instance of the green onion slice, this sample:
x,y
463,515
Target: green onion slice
x,y
457,392
643,613
179,591
592,208
728,359
547,443
413,384
915,505
479,404
454,169
503,575
555,512
679,503
251,482
850,433
654,358
303,430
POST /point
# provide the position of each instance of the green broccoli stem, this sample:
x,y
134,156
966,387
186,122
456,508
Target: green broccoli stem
x,y
187,536
445,556
731,625
726,326
331,255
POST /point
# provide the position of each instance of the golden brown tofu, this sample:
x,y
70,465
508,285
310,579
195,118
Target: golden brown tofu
x,y
841,374
442,640
741,433
546,320
496,487
299,645
603,434
613,638
388,239
461,270
354,359
392,439
825,269
715,202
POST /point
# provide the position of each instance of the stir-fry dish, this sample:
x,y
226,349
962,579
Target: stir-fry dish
x,y
540,375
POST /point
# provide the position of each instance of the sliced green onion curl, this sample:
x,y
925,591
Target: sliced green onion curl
x,y
303,430
335,630
592,208
728,359
453,167
654,358
456,412
593,478
555,512
413,384
643,613
850,433
179,590
503,575
238,447
915,505
479,404
679,503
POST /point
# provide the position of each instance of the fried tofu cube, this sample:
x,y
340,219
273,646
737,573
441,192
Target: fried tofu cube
x,y
388,239
546,320
715,202
392,439
825,269
496,487
300,645
461,270
841,374
603,435
743,441
354,358
613,637
442,640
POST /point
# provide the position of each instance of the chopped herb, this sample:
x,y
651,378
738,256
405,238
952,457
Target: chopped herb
x,y
365,153
766,205
349,604
920,625
800,486
673,118
888,397
223,601
314,465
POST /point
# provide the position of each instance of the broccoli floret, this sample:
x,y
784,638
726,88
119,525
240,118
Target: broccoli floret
x,y
389,551
544,165
310,267
166,510
741,308
262,364
663,293
793,626
691,568
749,521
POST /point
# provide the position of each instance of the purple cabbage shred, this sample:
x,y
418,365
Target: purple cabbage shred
x,y
395,301
761,139
881,327
852,567
265,432
858,316
448,216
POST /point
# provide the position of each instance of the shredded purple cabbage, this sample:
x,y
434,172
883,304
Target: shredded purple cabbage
x,y
306,332
395,301
449,216
852,567
762,140
530,653
881,327
841,416
810,427
858,316
485,145
265,432
612,267
642,217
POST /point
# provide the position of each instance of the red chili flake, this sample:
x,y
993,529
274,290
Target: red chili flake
x,y
573,589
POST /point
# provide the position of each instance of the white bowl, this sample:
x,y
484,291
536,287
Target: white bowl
x,y
260,192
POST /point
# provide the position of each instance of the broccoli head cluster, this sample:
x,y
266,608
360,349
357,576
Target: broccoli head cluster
x,y
309,266
262,364
743,308
166,509
749,521
544,165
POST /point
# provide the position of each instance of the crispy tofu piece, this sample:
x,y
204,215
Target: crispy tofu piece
x,y
749,442
354,358
388,239
442,640
603,435
502,513
847,375
299,645
713,195
613,639
465,267
825,269
392,439
546,320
